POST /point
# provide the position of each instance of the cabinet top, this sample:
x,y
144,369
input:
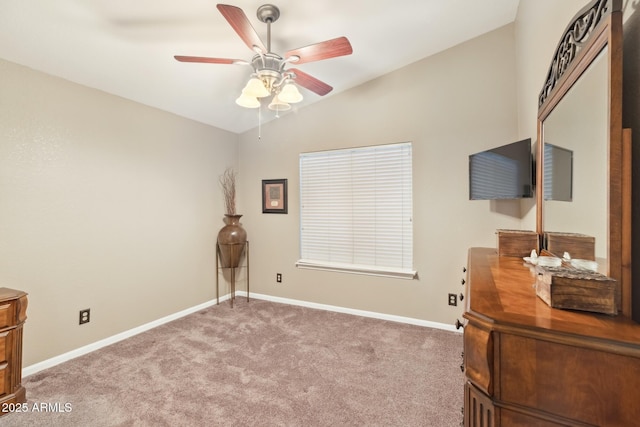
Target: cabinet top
x,y
7,294
501,293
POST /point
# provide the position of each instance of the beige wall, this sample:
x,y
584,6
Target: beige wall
x,y
104,204
449,105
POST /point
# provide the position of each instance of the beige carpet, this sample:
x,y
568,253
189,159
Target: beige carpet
x,y
258,364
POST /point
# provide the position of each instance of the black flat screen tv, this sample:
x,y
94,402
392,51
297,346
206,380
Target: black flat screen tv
x,y
504,172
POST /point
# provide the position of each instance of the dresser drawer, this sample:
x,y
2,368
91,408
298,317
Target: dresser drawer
x,y
478,357
13,313
518,419
6,315
4,346
570,381
4,379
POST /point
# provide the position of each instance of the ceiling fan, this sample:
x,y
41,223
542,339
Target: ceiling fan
x,y
269,74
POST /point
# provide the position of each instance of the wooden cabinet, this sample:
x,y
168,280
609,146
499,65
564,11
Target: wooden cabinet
x,y
528,364
13,313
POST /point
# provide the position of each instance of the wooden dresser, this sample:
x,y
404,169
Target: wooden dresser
x,y
13,313
527,364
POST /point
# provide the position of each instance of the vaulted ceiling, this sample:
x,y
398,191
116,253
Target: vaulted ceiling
x,y
126,47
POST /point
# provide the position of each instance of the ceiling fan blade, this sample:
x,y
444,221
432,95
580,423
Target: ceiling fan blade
x,y
324,50
182,58
311,83
238,20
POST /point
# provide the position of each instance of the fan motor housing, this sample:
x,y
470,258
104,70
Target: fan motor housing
x,y
268,67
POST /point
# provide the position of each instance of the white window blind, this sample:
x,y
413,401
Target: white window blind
x,y
356,210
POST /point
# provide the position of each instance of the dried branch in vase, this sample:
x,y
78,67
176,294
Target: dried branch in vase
x,y
228,184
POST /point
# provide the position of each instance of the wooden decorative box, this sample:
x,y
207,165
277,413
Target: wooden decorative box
x,y
574,289
579,246
518,243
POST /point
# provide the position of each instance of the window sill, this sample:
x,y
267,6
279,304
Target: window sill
x,y
397,273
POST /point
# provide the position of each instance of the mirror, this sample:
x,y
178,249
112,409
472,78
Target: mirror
x,y
581,174
575,160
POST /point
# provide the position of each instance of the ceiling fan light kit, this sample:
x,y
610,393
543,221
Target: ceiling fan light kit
x,y
247,101
290,94
269,77
255,88
277,104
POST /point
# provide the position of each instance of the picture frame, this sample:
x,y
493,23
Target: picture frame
x,y
274,196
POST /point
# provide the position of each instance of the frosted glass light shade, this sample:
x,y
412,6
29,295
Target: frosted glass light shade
x,y
247,101
278,105
256,88
290,94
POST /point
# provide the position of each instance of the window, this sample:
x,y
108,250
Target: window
x,y
558,173
356,210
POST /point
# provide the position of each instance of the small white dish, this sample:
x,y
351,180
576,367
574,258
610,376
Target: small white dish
x,y
549,261
584,264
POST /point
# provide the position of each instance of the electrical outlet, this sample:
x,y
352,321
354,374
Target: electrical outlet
x,y
279,277
453,299
85,316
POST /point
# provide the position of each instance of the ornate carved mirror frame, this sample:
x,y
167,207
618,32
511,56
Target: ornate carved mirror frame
x,y
595,30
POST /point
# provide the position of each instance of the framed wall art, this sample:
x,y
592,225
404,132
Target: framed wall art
x,y
274,196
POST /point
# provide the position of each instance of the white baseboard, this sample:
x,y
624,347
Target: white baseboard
x,y
373,314
37,367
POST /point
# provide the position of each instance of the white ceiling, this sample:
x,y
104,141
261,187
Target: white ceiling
x,y
126,47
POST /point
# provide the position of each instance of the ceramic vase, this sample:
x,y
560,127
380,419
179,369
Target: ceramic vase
x,y
232,239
